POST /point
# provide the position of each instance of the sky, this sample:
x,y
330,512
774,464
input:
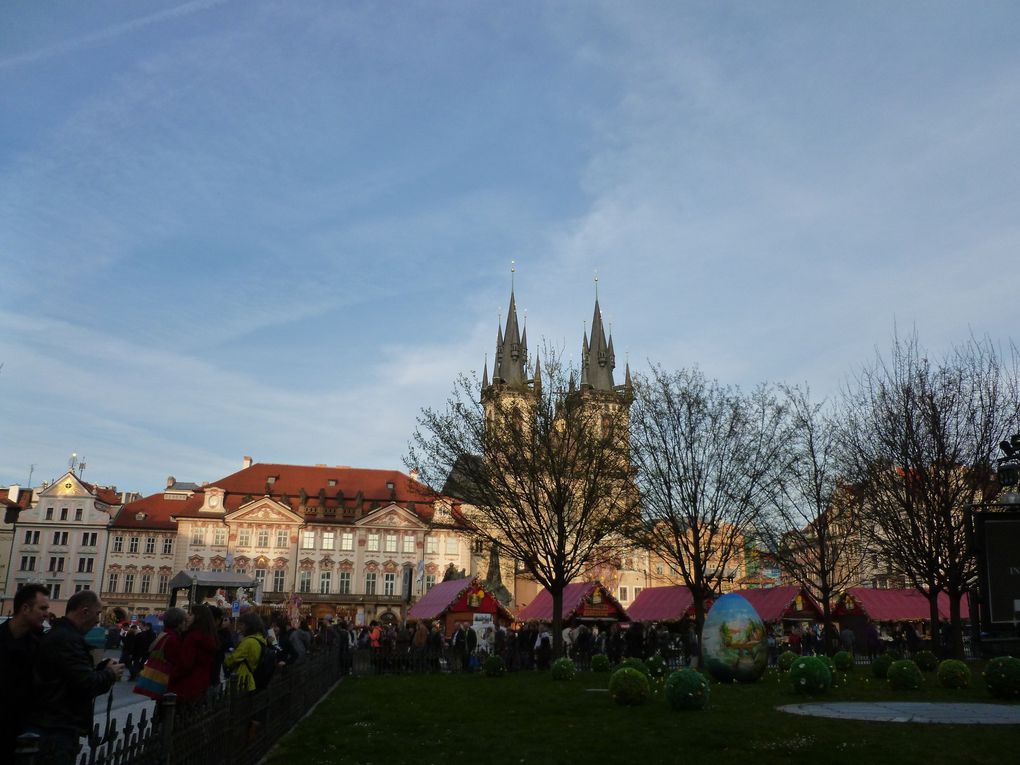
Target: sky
x,y
281,229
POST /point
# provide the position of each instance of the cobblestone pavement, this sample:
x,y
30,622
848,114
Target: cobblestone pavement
x,y
911,711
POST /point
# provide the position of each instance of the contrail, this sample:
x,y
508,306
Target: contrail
x,y
109,33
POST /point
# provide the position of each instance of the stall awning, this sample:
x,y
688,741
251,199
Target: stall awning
x,y
893,605
662,604
210,579
775,603
582,600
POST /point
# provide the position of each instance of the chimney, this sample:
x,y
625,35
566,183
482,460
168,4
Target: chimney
x,y
247,462
170,481
13,492
414,474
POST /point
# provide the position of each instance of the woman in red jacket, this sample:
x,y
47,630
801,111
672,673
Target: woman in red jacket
x,y
192,671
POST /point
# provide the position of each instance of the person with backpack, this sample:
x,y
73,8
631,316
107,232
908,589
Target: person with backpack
x,y
251,657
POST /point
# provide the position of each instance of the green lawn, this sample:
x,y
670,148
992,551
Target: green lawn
x,y
529,718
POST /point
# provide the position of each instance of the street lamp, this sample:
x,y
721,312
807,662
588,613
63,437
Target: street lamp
x,y
1009,470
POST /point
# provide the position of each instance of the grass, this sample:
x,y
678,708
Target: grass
x,y
529,718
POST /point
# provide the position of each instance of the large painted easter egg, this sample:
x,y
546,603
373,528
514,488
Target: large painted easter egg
x,y
734,644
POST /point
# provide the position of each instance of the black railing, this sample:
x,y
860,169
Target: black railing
x,y
227,727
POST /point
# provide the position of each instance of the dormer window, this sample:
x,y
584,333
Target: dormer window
x,y
331,482
140,516
271,479
390,486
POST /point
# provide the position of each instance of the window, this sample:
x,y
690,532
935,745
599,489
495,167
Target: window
x,y
451,545
431,544
163,584
325,580
391,543
389,583
345,582
129,583
373,543
244,537
28,563
305,581
197,536
282,538
55,591
408,543
260,577
430,581
77,514
623,593
32,537
63,513
85,565
88,539
370,583
80,587
118,544
168,545
331,482
262,539
658,569
59,537
133,544
637,591
328,540
49,513
56,564
111,583
308,540
347,541
219,536
146,583
478,546
278,580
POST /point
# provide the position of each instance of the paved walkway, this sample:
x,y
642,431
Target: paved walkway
x,y
912,711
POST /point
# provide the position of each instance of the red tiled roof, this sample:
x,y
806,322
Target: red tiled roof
x,y
772,603
24,498
291,480
541,608
103,493
157,512
894,605
662,604
442,596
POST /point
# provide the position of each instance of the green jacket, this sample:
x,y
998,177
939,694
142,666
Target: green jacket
x,y
243,660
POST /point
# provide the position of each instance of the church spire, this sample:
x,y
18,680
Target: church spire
x,y
511,349
598,358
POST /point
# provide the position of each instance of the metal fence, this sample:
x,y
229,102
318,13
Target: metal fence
x,y
227,727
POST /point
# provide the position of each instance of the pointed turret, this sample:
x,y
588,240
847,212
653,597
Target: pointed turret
x,y
597,357
485,374
538,373
511,352
626,380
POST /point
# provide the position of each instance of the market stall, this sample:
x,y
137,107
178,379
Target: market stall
x,y
460,600
582,601
668,604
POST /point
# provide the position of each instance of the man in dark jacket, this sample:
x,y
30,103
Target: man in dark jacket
x,y
19,642
67,682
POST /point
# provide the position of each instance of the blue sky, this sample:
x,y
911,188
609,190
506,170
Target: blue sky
x,y
280,229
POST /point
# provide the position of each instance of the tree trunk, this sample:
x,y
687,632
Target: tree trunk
x,y
557,621
933,605
827,628
956,624
699,619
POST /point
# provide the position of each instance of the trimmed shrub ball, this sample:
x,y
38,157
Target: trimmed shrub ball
x,y
600,663
786,659
657,666
880,666
811,675
687,689
843,660
629,687
1002,676
563,669
904,675
634,663
926,661
829,663
954,674
494,667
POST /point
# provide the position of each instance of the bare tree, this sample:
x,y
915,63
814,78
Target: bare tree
x,y
708,457
919,444
813,525
543,471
